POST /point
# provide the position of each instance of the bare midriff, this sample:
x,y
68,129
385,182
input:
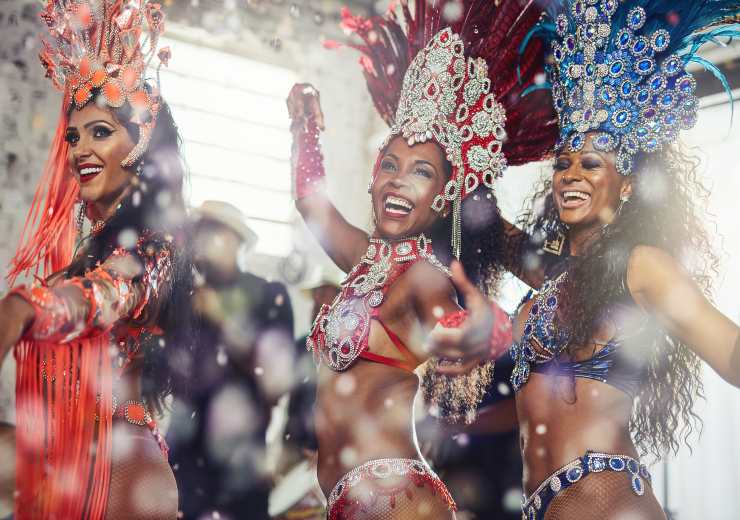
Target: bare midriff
x,y
560,418
362,414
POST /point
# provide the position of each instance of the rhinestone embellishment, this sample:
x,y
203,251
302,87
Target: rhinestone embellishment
x,y
602,74
340,331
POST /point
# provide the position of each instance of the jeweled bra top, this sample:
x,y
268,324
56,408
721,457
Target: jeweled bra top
x,y
340,332
544,341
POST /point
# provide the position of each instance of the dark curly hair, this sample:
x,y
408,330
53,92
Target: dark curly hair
x,y
663,212
456,398
156,205
482,244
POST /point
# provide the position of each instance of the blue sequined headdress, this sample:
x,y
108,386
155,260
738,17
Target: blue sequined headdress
x,y
619,69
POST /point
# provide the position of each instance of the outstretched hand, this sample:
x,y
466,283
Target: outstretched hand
x,y
461,349
304,104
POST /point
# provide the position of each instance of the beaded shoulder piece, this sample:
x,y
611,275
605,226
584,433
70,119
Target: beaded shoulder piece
x,y
340,332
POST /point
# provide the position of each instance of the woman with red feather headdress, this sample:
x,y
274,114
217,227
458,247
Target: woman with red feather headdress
x,y
92,336
452,88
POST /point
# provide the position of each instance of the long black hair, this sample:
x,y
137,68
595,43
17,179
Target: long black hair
x,y
456,398
663,212
155,206
482,232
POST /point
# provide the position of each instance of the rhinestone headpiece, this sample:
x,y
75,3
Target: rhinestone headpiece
x,y
106,45
620,71
447,98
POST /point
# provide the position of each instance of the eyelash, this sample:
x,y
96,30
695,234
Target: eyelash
x,y
98,132
388,165
586,164
101,129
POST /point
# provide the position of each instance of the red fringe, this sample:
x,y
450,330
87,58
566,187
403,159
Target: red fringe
x,y
47,240
63,453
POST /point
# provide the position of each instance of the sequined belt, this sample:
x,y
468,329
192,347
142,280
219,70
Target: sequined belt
x,y
534,507
136,412
414,471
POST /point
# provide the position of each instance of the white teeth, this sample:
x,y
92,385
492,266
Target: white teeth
x,y
88,171
399,202
576,194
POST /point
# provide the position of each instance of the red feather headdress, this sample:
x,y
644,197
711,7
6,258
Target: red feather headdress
x,y
465,75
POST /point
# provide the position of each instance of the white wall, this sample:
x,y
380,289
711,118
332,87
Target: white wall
x,y
705,483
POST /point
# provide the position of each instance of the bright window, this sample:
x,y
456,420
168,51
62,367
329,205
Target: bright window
x,y
231,114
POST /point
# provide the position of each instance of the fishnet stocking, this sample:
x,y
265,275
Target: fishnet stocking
x,y
394,498
142,485
604,496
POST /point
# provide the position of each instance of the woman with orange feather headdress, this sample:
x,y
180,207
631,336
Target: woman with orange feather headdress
x,y
93,335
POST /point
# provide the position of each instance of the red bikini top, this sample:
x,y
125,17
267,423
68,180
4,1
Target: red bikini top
x,y
341,330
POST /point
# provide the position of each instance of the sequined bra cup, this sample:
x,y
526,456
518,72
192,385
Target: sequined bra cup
x,y
544,340
340,332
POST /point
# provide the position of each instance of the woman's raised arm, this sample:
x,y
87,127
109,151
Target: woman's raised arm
x,y
344,243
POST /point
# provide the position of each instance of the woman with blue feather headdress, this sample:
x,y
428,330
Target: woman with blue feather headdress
x,y
607,352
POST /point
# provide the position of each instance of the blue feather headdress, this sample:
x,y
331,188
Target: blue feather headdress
x,y
619,69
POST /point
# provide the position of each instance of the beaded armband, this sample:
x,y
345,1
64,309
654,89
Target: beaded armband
x,y
56,318
501,335
106,296
307,161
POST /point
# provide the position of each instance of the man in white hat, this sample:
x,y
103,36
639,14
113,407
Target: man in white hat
x,y
217,437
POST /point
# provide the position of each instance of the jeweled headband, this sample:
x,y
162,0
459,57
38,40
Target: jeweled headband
x,y
106,45
619,70
447,98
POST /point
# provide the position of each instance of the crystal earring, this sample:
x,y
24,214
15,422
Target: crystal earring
x,y
81,216
624,199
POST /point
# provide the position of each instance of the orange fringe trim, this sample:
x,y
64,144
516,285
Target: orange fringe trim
x,y
63,453
48,236
64,412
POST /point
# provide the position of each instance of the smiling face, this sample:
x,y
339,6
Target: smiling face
x,y
587,187
97,145
407,180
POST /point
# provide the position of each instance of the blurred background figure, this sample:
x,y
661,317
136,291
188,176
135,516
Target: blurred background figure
x,y
481,462
217,433
7,468
296,493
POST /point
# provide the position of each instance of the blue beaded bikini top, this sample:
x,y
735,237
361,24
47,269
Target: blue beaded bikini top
x,y
544,341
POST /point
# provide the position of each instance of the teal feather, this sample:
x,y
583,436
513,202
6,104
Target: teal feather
x,y
542,28
711,67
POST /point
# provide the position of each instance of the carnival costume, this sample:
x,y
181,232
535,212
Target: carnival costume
x,y
91,327
460,87
619,72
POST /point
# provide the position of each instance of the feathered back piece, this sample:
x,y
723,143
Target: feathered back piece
x,y
620,69
93,46
490,30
